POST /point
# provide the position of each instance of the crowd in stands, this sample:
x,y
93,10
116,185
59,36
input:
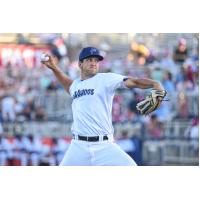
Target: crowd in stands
x,y
31,150
23,79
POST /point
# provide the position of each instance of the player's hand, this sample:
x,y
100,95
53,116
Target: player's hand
x,y
50,63
151,102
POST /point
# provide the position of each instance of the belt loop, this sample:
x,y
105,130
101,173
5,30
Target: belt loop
x,y
100,138
76,137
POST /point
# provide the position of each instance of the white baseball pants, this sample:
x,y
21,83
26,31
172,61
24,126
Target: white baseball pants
x,y
102,153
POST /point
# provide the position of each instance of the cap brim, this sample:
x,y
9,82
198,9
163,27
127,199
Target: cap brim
x,y
97,56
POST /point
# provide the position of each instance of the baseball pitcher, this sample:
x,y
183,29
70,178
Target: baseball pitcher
x,y
92,95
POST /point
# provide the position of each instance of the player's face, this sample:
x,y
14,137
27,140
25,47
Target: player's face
x,y
90,66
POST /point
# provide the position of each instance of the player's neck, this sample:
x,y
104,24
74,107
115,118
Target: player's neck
x,y
84,77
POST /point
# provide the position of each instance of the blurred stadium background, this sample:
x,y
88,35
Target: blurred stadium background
x,y
35,113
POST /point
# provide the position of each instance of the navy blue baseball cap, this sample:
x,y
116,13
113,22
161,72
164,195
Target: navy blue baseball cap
x,y
90,52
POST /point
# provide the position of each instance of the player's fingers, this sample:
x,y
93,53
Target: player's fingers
x,y
160,98
46,63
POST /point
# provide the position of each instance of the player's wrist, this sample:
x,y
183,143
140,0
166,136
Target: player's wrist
x,y
158,86
54,68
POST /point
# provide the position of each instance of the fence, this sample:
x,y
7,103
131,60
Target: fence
x,y
175,148
171,152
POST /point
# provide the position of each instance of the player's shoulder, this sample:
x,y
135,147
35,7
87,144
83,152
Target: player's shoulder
x,y
106,74
75,81
73,84
110,75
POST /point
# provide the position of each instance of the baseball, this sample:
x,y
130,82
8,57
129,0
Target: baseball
x,y
44,57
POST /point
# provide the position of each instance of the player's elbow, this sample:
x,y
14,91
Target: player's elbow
x,y
130,83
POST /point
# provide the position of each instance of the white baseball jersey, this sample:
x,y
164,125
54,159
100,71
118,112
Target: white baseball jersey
x,y
92,103
92,115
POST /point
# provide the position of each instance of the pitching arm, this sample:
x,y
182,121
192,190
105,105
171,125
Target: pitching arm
x,y
60,75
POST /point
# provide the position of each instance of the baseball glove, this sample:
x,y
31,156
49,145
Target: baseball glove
x,y
151,102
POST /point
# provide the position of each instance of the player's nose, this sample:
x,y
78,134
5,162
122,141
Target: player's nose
x,y
93,63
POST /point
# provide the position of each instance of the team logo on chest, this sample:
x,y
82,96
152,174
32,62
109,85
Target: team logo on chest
x,y
80,93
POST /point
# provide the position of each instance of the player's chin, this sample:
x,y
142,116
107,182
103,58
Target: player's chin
x,y
93,71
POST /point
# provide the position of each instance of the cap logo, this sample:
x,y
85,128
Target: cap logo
x,y
92,51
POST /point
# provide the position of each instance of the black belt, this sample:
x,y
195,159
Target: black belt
x,y
90,139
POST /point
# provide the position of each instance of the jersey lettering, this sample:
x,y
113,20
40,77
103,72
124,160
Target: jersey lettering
x,y
83,92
